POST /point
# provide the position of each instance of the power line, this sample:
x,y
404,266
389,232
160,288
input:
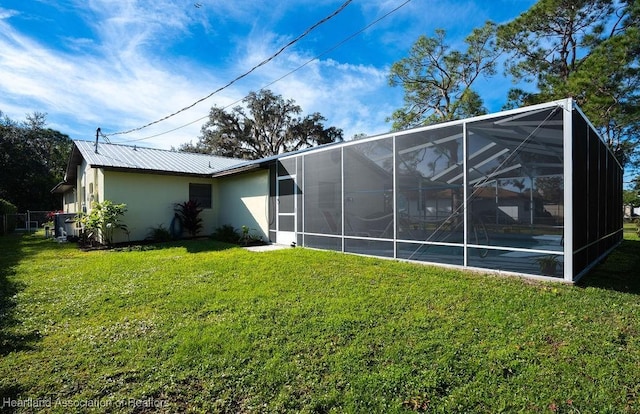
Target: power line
x,y
317,57
264,62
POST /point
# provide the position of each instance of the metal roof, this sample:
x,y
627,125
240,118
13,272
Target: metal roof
x,y
141,159
118,156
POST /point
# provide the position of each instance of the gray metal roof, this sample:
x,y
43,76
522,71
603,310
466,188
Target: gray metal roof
x,y
152,160
140,159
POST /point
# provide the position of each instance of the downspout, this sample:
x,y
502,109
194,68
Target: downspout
x,y
96,197
79,194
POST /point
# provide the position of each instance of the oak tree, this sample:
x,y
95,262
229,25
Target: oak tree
x,y
266,125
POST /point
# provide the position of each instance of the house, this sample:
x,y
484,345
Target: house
x,y
151,182
507,192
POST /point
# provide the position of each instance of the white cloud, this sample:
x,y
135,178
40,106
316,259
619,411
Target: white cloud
x,y
115,88
122,72
115,81
7,13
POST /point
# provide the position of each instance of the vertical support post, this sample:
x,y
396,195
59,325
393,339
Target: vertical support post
x,y
531,201
277,203
465,192
295,200
394,186
567,142
342,198
497,201
303,227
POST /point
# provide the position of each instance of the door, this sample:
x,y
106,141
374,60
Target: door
x,y
286,200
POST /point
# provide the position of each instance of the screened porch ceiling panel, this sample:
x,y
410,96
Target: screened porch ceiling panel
x,y
508,139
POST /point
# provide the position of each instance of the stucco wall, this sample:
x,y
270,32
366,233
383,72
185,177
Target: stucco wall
x,y
151,199
69,204
242,201
89,184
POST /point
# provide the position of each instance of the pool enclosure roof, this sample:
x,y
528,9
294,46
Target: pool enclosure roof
x,y
512,130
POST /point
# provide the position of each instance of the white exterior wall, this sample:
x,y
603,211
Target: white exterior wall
x,y
69,204
75,199
243,201
150,200
240,200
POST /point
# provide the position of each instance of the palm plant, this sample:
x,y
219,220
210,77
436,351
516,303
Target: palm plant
x,y
189,215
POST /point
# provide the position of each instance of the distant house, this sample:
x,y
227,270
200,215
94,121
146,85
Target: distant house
x,y
631,211
532,191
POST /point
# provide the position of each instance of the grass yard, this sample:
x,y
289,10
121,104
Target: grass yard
x,y
205,327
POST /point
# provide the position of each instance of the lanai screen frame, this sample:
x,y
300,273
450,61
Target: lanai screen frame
x,y
325,198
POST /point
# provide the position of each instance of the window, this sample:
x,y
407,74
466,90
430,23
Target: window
x,y
200,193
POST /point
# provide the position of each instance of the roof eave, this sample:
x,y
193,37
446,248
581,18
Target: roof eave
x,y
237,170
62,187
150,171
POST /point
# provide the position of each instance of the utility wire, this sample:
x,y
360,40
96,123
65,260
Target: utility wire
x,y
317,57
105,137
264,62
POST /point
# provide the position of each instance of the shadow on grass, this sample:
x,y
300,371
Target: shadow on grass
x,y
11,338
13,252
198,245
9,392
619,271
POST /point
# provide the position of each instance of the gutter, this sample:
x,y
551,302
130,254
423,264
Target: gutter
x,y
238,170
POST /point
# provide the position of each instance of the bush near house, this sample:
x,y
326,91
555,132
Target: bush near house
x,y
104,219
7,224
245,236
159,234
226,234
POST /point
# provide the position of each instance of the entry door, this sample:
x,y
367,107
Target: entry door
x,y
286,205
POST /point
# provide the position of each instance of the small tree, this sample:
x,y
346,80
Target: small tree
x,y
104,219
189,215
437,79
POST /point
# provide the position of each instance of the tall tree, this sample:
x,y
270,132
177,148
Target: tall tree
x,y
437,80
267,125
585,49
33,160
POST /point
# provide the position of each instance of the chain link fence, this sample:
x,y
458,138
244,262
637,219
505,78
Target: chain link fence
x,y
28,222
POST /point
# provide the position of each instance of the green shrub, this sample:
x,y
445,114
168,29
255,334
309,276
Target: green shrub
x,y
104,219
7,208
247,238
226,233
159,234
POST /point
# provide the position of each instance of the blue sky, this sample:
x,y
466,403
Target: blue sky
x,y
120,64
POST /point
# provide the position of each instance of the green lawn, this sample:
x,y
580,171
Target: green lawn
x,y
205,327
